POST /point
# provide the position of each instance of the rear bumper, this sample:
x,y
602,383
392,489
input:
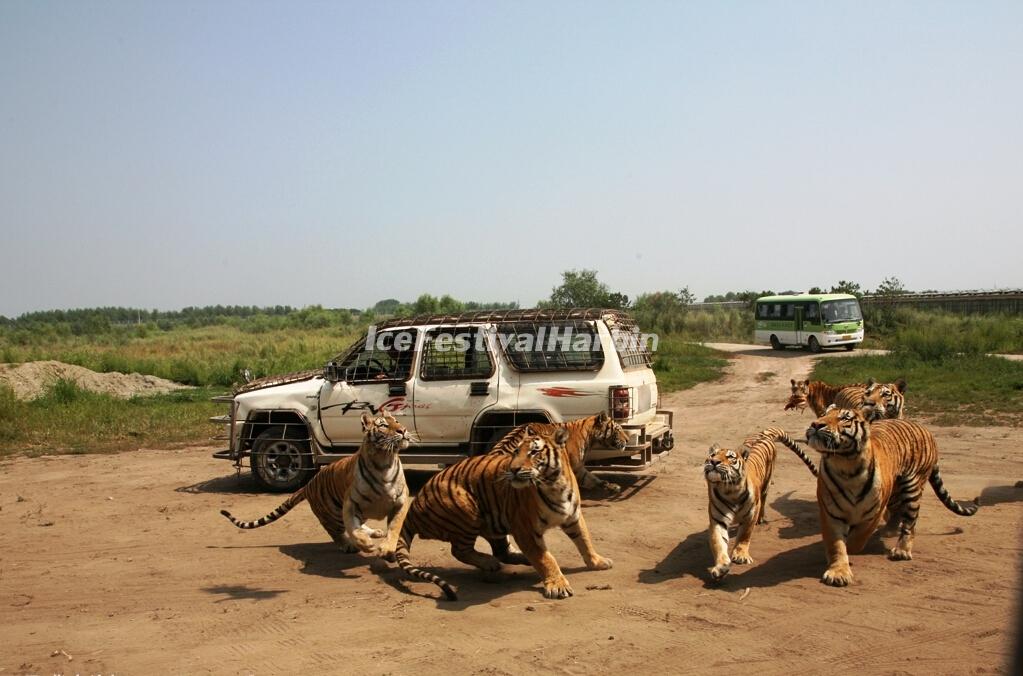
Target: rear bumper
x,y
647,442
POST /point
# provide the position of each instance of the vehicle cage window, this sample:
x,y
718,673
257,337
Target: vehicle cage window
x,y
390,357
456,353
552,346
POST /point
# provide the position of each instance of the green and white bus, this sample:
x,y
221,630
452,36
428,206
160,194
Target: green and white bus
x,y
815,321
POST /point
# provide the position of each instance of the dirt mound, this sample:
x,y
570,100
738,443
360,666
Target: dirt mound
x,y
31,379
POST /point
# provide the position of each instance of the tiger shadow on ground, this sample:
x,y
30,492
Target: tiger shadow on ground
x,y
996,495
242,593
235,483
324,559
803,516
475,588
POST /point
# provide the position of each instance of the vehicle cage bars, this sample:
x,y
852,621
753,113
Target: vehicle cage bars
x,y
551,346
621,402
631,350
274,381
459,361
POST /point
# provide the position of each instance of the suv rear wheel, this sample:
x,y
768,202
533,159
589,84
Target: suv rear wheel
x,y
280,465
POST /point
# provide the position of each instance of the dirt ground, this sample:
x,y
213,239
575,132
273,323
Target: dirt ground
x,y
122,564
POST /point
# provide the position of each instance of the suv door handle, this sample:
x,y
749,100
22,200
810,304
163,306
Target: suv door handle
x,y
479,389
396,389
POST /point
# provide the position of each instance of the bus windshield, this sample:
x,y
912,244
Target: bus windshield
x,y
841,311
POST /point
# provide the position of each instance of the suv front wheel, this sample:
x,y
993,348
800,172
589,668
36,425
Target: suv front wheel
x,y
280,465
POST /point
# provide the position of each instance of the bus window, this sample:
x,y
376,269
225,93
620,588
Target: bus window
x,y
841,311
810,313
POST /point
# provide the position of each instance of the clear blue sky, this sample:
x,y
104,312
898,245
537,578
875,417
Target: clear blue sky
x,y
165,154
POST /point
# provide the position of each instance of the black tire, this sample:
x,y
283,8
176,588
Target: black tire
x,y
814,346
280,465
776,344
667,441
849,347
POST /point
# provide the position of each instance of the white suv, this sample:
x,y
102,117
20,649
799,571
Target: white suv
x,y
459,382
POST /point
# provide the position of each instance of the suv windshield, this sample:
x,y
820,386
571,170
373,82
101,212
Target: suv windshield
x,y
841,311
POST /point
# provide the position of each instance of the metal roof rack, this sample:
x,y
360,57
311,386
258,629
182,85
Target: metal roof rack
x,y
503,316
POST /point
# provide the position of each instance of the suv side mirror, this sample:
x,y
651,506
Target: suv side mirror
x,y
331,372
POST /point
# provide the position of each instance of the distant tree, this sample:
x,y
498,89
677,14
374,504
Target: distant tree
x,y
891,286
581,288
686,297
425,304
388,306
851,288
815,290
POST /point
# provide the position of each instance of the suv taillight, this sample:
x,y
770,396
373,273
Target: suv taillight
x,y
620,399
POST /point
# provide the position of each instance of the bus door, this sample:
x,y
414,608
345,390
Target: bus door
x,y
801,335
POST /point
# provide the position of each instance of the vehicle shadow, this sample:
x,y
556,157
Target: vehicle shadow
x,y
631,484
236,482
996,495
803,516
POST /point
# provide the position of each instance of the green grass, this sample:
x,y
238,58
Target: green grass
x,y
949,390
680,365
68,419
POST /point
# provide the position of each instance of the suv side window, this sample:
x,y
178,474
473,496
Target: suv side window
x,y
389,358
554,346
456,353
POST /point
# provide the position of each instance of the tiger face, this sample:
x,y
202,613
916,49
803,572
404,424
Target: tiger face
x,y
800,390
840,432
385,433
610,433
884,400
538,459
725,466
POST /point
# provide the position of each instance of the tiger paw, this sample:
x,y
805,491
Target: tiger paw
x,y
600,563
742,557
362,541
347,548
837,576
557,588
610,487
386,552
718,572
373,532
896,554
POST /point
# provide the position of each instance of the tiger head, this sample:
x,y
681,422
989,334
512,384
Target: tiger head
x,y
384,433
800,391
725,466
839,432
884,400
609,433
538,459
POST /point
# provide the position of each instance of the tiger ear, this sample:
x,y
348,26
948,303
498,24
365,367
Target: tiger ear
x,y
561,437
870,383
529,431
602,417
367,422
745,452
900,385
713,449
830,408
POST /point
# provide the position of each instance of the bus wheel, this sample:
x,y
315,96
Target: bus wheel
x,y
849,347
776,344
815,347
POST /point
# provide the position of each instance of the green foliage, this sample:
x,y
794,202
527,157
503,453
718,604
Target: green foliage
x,y
581,288
890,286
851,288
680,364
951,390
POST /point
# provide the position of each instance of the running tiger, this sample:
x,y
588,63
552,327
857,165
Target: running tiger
x,y
737,493
523,487
869,469
583,433
367,485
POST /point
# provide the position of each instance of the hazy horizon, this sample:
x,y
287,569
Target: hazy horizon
x,y
166,155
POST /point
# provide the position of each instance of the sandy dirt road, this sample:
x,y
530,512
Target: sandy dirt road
x,y
123,563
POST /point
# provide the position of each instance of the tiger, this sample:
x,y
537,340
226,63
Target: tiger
x,y
737,493
367,485
884,400
819,395
583,433
524,487
868,470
